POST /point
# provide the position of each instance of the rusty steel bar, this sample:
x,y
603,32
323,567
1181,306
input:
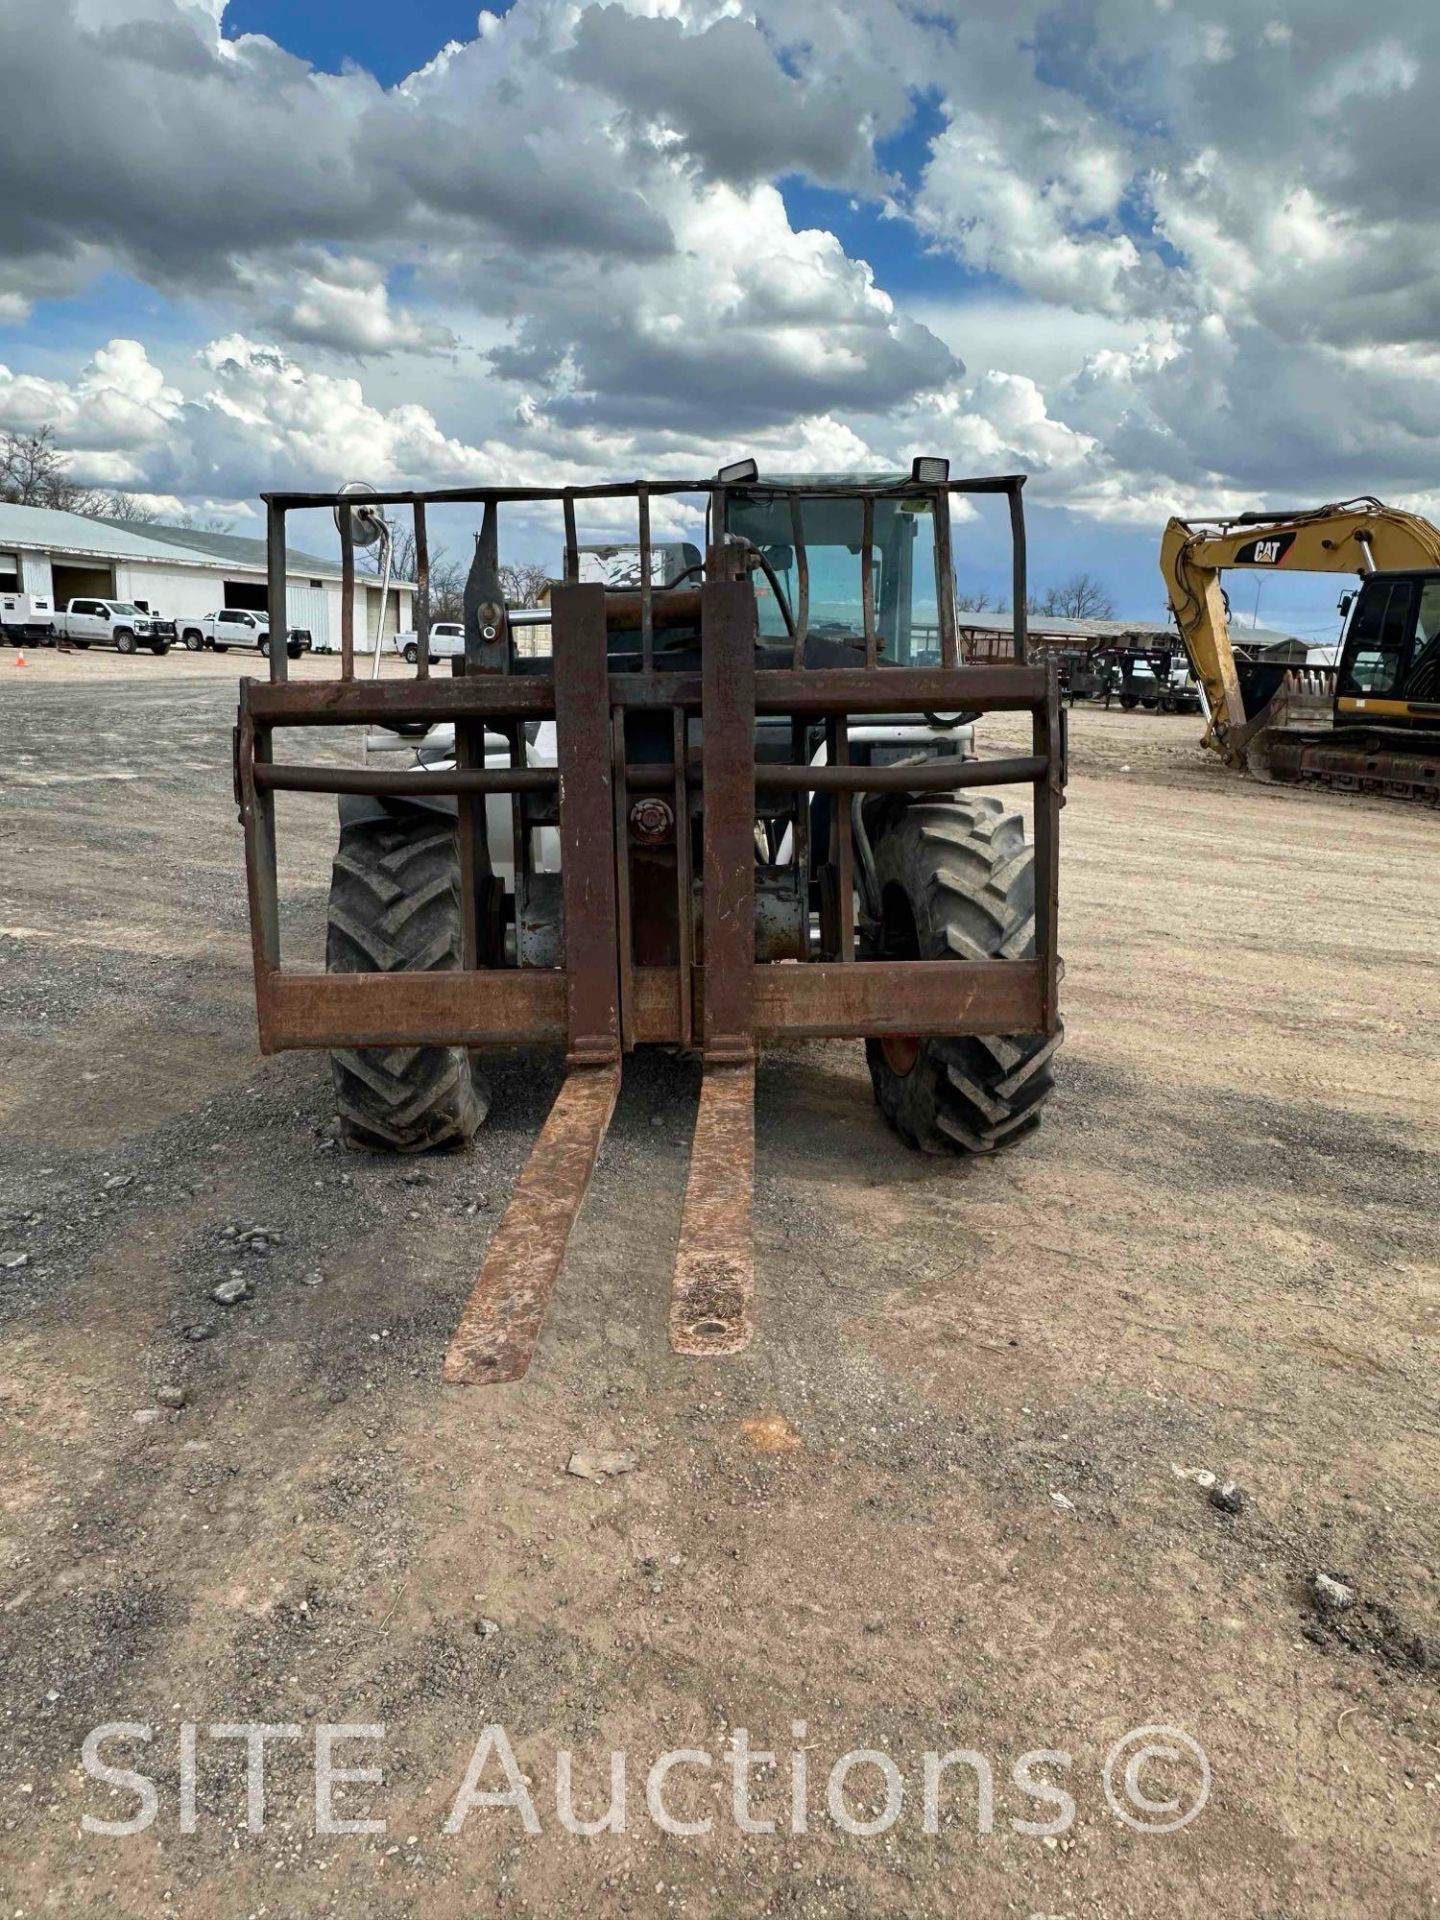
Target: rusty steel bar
x,y
422,593
800,829
867,581
257,818
1018,589
498,1007
625,946
727,743
519,833
802,575
713,1284
414,780
902,487
1049,798
497,1333
587,827
890,689
572,543
647,618
484,1007
932,776
276,599
684,881
945,583
333,703
863,998
474,846
347,596
778,690
842,833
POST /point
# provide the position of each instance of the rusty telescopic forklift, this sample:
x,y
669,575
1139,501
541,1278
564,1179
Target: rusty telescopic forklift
x,y
755,769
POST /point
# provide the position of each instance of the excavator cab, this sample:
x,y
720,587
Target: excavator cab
x,y
1389,672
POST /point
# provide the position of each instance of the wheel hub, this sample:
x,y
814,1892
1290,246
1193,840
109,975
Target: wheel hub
x,y
901,1052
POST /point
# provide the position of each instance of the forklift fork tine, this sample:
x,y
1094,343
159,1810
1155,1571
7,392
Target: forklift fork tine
x,y
714,1281
497,1334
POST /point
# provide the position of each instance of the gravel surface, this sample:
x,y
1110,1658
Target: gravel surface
x,y
957,1495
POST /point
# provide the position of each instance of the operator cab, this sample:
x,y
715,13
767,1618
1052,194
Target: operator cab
x,y
902,561
1389,672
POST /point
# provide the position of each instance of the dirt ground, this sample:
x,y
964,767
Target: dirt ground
x,y
946,1501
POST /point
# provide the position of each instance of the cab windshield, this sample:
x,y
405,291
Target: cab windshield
x,y
902,560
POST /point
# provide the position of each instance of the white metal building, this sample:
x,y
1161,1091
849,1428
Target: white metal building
x,y
183,574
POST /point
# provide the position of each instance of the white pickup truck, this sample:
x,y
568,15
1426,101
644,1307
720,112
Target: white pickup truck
x,y
239,627
112,623
447,642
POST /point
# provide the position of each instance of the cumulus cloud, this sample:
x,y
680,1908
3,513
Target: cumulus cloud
x,y
110,420
1228,215
719,95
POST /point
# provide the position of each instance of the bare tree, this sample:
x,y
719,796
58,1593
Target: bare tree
x,y
447,588
208,523
1081,597
33,473
972,602
523,582
130,509
447,576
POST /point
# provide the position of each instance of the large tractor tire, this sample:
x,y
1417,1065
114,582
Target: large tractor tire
x,y
957,882
395,908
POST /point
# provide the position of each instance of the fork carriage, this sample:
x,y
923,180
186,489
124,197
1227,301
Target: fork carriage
x,y
721,798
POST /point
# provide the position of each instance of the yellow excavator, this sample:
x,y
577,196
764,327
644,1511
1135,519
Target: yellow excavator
x,y
1370,724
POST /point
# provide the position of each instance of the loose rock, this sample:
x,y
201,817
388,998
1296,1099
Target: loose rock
x,y
1331,1595
1228,1497
230,1293
599,1466
172,1397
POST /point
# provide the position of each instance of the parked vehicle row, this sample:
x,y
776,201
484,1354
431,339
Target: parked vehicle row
x,y
32,619
126,625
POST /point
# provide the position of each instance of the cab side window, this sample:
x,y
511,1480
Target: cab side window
x,y
1379,639
1423,680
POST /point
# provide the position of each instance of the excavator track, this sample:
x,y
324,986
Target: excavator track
x,y
1347,765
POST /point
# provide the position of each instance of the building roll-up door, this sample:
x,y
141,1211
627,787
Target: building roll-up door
x,y
308,607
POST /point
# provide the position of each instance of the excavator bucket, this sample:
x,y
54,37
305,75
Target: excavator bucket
x,y
1302,703
707,889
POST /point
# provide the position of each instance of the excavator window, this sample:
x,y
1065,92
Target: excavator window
x,y
1379,638
1423,680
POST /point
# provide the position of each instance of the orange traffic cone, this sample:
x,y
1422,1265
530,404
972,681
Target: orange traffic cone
x,y
20,658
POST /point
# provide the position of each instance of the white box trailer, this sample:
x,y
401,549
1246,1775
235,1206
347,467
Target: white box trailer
x,y
26,616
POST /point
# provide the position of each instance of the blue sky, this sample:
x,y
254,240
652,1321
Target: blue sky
x,y
599,240
386,40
